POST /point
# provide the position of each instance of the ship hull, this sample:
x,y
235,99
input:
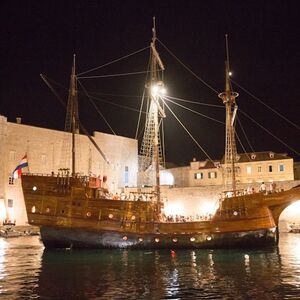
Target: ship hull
x,y
71,214
76,238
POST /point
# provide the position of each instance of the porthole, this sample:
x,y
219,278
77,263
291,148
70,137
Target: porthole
x,y
33,209
235,213
88,214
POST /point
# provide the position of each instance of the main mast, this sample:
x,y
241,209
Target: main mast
x,y
150,148
228,98
72,116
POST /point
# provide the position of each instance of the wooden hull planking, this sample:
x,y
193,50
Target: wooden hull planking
x,y
70,214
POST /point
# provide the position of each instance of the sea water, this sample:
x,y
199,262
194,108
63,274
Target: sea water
x,y
28,271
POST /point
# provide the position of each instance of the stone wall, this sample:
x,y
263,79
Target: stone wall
x,y
198,200
48,150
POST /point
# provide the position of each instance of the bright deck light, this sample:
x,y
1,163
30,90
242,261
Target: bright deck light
x,y
174,209
207,208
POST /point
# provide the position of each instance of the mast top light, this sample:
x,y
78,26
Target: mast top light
x,y
158,88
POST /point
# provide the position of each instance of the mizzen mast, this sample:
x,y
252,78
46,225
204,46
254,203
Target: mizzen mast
x,y
228,98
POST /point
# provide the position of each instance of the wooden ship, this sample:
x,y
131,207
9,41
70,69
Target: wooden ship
x,y
72,211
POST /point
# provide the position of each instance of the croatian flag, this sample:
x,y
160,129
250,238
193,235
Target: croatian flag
x,y
18,170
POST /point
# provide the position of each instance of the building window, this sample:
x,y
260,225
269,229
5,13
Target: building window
x,y
212,174
10,180
126,176
12,155
259,169
270,168
248,169
10,202
281,168
198,175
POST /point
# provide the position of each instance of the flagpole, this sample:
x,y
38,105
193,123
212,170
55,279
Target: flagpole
x,y
27,152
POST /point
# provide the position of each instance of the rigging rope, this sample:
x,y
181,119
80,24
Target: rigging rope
x,y
96,107
194,111
272,109
195,102
115,104
140,113
116,95
113,75
278,139
116,60
240,123
201,148
239,140
187,68
142,102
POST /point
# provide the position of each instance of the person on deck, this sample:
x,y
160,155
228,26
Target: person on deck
x,y
262,187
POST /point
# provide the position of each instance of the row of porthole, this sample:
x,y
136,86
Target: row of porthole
x,y
33,210
175,240
88,214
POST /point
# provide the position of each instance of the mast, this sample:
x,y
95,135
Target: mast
x,y
153,70
228,98
72,116
150,148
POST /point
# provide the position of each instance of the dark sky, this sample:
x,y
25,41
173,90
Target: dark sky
x,y
264,42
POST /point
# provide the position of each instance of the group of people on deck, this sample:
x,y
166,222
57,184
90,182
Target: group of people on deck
x,y
131,196
272,188
251,190
181,218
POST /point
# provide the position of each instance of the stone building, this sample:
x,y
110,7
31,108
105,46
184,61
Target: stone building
x,y
48,150
251,168
196,189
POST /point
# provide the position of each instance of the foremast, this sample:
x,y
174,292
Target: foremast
x,y
228,97
151,148
72,116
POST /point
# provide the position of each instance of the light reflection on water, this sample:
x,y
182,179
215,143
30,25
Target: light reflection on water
x,y
29,272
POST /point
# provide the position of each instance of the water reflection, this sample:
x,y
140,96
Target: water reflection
x,y
28,271
20,263
186,274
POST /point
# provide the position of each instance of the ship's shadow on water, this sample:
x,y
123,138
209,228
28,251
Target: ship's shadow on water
x,y
167,274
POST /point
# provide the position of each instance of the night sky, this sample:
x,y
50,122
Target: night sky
x,y
264,45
